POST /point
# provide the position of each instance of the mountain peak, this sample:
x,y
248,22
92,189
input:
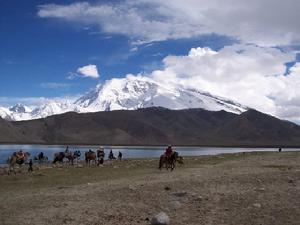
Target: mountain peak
x,y
19,108
129,93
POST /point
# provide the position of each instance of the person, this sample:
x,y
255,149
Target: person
x,y
168,151
20,154
30,169
279,149
111,155
120,156
67,148
41,156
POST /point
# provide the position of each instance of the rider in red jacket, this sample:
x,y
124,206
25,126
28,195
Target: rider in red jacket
x,y
169,151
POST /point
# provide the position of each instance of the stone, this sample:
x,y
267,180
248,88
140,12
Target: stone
x,y
167,188
261,189
175,204
257,205
132,188
199,198
160,219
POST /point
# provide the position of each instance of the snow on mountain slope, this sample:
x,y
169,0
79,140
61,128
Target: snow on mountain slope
x,y
139,92
52,108
5,113
129,93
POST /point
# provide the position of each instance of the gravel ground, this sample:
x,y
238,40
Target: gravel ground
x,y
237,189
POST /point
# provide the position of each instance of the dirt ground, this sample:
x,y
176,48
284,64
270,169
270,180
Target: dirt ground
x,y
237,189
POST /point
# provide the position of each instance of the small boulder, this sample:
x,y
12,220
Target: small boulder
x,y
160,219
199,198
167,188
175,204
257,205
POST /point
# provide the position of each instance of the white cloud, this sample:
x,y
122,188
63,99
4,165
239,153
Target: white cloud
x,y
33,102
252,75
88,71
263,22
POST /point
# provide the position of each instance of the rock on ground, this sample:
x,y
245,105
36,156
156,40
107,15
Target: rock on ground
x,y
160,219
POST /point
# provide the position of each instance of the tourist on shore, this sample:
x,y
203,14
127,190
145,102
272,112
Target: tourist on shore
x,y
111,155
120,156
30,168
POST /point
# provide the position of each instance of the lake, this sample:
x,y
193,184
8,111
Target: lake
x,y
128,151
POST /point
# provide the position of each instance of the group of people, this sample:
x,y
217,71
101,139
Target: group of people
x,y
41,156
111,155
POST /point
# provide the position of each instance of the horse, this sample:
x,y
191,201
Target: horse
x,y
89,156
59,157
169,162
100,156
17,158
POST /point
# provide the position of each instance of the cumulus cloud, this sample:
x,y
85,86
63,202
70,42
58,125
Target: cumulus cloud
x,y
254,76
88,71
263,22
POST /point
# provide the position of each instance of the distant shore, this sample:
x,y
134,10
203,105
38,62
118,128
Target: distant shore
x,y
143,145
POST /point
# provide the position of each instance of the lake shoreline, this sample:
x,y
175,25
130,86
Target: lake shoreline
x,y
143,145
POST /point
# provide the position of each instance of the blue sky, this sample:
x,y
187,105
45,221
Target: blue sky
x,y
236,49
36,51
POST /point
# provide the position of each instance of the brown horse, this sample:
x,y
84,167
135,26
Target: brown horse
x,y
17,158
169,162
90,156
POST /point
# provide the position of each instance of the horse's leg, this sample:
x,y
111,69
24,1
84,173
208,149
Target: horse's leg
x,y
172,165
160,164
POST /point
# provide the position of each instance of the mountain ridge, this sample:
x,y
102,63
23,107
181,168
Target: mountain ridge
x,y
155,126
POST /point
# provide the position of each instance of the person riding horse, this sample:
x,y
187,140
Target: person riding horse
x,y
169,158
100,155
169,151
19,154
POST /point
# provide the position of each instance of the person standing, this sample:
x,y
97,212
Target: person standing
x,y
30,168
120,156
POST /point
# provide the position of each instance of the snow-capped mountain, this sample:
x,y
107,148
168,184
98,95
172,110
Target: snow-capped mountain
x,y
139,92
129,93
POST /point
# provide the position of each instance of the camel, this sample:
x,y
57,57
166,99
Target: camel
x,y
77,155
41,158
90,156
70,156
59,157
100,155
17,158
